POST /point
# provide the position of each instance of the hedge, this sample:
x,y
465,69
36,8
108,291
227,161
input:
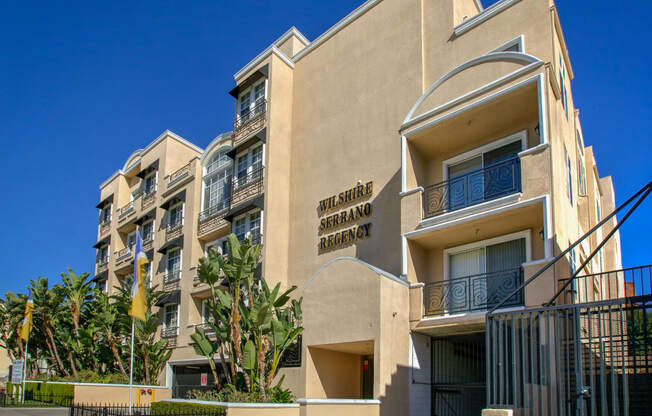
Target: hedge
x,y
162,408
46,392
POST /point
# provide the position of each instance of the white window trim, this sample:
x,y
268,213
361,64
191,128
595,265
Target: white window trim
x,y
229,166
165,307
248,151
128,246
519,41
109,208
153,229
569,177
250,91
527,234
183,206
155,175
521,135
167,262
214,244
247,216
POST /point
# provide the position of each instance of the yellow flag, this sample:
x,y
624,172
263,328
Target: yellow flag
x,y
26,327
138,296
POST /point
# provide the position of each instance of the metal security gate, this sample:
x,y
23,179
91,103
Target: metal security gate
x,y
458,375
591,358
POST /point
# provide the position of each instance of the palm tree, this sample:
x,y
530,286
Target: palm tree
x,y
77,292
105,318
47,304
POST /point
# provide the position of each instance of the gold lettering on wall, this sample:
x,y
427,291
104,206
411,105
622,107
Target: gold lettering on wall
x,y
348,213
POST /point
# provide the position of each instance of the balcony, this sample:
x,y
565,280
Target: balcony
x,y
247,187
105,227
102,265
180,176
123,256
169,332
171,280
482,185
149,198
608,285
472,293
148,242
212,219
126,211
249,123
173,231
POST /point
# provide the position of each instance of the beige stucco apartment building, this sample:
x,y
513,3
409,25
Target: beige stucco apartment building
x,y
406,170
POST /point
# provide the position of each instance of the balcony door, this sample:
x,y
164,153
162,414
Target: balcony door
x,y
484,176
481,277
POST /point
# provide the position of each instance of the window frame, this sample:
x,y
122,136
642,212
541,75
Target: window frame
x,y
247,216
166,308
153,233
249,164
569,176
250,93
167,260
155,186
180,205
109,210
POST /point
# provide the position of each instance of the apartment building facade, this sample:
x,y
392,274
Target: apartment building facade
x,y
405,170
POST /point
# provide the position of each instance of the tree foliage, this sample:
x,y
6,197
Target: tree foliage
x,y
81,333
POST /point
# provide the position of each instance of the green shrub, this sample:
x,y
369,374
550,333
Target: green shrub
x,y
164,408
231,394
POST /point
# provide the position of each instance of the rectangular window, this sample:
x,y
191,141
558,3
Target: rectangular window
x,y
206,313
251,101
249,166
581,175
249,225
220,245
562,82
147,231
569,176
103,254
101,286
149,184
171,317
105,214
173,265
175,216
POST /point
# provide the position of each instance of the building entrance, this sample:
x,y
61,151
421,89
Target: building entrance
x,y
458,375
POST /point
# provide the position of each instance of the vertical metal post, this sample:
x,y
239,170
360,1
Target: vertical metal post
x,y
131,364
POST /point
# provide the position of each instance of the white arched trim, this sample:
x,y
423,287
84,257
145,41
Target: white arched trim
x,y
215,145
364,263
131,159
518,57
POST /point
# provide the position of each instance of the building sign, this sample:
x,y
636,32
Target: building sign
x,y
204,379
340,215
17,372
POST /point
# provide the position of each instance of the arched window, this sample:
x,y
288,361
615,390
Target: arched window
x,y
217,184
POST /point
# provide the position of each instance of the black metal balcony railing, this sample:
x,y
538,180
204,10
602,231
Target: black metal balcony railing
x,y
169,332
614,284
250,178
248,186
248,116
172,227
172,276
123,254
214,211
126,210
491,182
180,174
472,293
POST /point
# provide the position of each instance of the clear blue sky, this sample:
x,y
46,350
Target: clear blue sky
x,y
83,84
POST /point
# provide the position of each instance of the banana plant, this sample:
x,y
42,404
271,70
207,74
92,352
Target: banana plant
x,y
207,348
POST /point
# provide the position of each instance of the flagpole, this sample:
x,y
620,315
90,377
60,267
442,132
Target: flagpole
x,y
22,390
131,365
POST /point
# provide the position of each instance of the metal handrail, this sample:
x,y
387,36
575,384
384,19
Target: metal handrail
x,y
174,226
584,289
169,332
214,211
179,173
472,293
172,276
481,185
251,178
242,120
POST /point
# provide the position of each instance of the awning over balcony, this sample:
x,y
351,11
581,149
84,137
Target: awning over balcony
x,y
148,216
104,202
105,240
151,168
174,243
257,202
100,276
171,298
179,197
262,72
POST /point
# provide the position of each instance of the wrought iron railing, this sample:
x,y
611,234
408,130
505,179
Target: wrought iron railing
x,y
491,182
148,199
127,209
247,186
123,254
105,226
214,211
292,355
175,226
181,173
249,116
472,293
172,276
102,265
169,332
613,284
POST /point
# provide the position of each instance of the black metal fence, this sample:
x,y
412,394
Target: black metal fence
x,y
33,399
491,182
123,410
472,293
580,359
609,285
